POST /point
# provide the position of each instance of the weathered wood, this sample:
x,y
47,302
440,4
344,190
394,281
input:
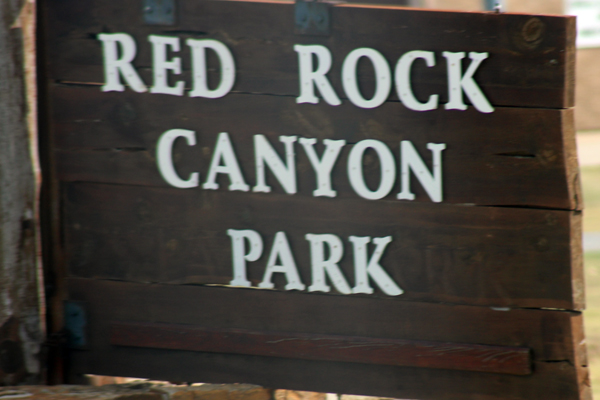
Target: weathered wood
x,y
397,352
268,310
506,237
548,333
21,316
530,65
463,254
581,358
532,162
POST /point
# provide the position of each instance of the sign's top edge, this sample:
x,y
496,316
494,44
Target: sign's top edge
x,y
342,4
387,6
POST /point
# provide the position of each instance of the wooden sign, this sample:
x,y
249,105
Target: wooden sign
x,y
329,197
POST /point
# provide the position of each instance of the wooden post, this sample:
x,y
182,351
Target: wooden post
x,y
20,323
260,217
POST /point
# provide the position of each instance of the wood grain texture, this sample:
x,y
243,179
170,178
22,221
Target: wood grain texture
x,y
479,269
548,333
530,62
512,157
397,352
21,327
463,254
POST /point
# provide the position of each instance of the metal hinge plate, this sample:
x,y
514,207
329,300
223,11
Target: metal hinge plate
x,y
159,12
312,18
76,324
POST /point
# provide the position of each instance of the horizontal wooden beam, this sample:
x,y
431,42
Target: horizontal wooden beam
x,y
550,334
396,352
490,256
531,59
511,157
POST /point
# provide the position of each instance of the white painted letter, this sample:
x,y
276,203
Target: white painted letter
x,y
457,82
200,87
281,250
308,76
403,86
238,253
164,158
285,174
363,270
383,78
324,166
113,65
431,182
224,151
319,265
161,67
355,169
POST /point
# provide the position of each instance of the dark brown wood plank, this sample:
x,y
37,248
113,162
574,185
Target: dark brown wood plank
x,y
555,381
507,237
512,157
548,333
403,353
581,358
313,313
530,64
462,254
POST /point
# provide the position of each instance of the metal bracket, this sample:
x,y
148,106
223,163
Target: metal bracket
x,y
312,18
159,12
76,324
